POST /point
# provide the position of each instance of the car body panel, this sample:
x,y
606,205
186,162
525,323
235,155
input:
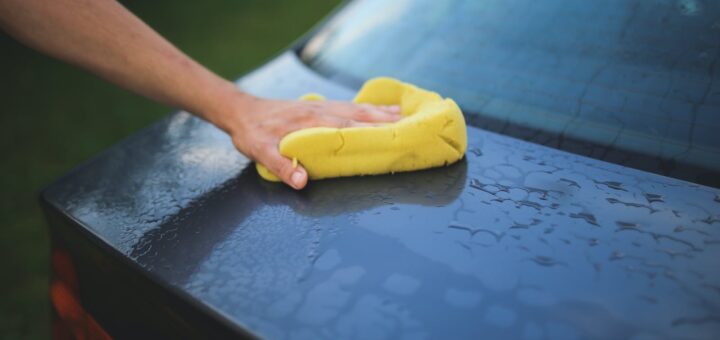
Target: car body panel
x,y
516,240
631,82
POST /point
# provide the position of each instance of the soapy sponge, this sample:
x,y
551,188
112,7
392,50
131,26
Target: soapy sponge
x,y
432,133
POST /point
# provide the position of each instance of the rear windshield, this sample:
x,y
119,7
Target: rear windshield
x,y
634,82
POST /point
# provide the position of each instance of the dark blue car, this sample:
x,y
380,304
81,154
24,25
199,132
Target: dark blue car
x,y
587,205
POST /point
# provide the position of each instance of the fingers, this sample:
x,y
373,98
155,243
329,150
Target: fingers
x,y
366,113
391,109
293,175
258,131
321,121
376,114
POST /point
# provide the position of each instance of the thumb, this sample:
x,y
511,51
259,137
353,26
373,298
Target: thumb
x,y
293,175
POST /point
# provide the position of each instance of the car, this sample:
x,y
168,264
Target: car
x,y
586,206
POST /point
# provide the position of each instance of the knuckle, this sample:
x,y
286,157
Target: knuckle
x,y
367,114
309,111
279,131
268,148
285,168
361,114
347,123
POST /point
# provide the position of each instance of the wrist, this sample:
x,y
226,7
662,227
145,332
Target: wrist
x,y
228,109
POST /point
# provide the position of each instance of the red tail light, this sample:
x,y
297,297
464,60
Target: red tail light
x,y
71,321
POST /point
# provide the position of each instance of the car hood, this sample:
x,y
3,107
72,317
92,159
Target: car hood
x,y
515,240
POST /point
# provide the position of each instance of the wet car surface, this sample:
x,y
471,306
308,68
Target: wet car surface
x,y
629,82
517,240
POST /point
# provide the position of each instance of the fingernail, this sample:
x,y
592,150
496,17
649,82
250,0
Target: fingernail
x,y
296,179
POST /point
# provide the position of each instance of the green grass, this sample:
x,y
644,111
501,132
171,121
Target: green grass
x,y
55,116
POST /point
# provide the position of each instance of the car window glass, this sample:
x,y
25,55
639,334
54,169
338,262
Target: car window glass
x,y
638,76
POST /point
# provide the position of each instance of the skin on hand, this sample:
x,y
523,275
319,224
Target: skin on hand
x,y
105,38
257,125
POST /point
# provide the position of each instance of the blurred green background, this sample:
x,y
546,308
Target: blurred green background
x,y
54,116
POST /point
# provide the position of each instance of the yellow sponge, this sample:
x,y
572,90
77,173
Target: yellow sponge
x,y
432,133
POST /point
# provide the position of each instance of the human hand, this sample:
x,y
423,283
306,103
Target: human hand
x,y
257,125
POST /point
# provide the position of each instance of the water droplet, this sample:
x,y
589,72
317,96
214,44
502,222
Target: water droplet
x,y
625,225
612,185
570,182
617,255
689,7
546,261
587,217
651,198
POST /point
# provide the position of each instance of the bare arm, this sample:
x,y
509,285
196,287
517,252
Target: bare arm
x,y
105,38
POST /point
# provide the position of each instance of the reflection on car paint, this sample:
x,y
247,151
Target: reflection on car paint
x,y
517,240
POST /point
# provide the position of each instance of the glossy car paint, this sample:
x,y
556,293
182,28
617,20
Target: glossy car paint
x,y
517,240
631,82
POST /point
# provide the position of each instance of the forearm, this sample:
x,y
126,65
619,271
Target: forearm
x,y
105,38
